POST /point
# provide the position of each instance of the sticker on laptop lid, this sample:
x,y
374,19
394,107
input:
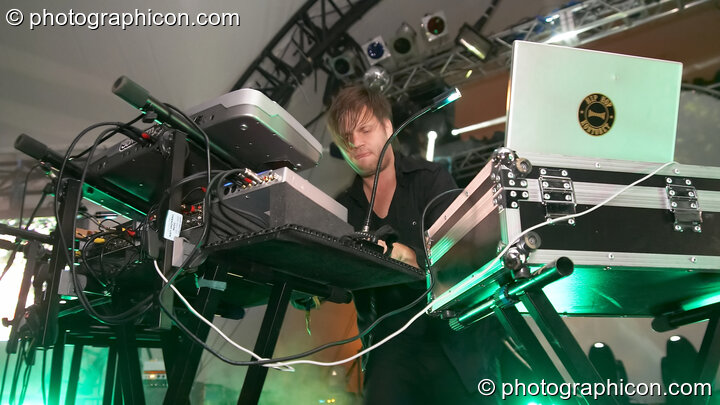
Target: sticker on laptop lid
x,y
596,114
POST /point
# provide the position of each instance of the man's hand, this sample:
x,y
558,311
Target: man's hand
x,y
400,253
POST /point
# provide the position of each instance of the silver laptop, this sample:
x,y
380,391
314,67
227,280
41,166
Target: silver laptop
x,y
577,102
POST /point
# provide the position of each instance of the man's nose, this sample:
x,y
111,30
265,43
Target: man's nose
x,y
355,141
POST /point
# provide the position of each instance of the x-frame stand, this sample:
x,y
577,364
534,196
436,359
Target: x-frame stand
x,y
529,292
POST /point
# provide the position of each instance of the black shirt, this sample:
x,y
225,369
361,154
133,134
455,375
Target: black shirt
x,y
418,182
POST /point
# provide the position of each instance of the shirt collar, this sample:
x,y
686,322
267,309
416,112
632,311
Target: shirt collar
x,y
403,166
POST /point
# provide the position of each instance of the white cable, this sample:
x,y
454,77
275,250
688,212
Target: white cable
x,y
502,253
373,347
210,324
579,214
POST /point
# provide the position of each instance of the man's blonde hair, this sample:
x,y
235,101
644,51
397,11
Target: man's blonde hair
x,y
346,111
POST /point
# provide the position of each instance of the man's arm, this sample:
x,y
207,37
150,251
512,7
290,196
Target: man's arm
x,y
401,253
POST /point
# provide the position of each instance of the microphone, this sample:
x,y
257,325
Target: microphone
x,y
437,103
138,97
38,150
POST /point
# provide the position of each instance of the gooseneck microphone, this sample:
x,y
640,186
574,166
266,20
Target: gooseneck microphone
x,y
438,102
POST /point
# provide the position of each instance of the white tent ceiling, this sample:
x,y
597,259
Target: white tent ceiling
x,y
55,81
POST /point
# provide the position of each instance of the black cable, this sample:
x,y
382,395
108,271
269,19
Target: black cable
x,y
36,209
422,223
109,220
24,194
255,219
142,306
92,219
226,225
223,344
25,382
260,223
185,197
126,316
13,253
206,217
127,124
366,224
83,255
172,108
199,341
169,190
292,357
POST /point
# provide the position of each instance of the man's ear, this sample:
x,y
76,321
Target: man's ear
x,y
388,128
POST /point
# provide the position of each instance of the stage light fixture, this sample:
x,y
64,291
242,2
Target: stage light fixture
x,y
342,65
377,78
605,363
403,44
477,44
435,25
376,50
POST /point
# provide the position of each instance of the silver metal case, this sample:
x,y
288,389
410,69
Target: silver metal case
x,y
655,246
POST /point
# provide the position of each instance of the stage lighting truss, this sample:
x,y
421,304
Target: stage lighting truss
x,y
434,26
301,46
376,50
574,25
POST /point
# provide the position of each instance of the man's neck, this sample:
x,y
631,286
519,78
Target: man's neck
x,y
385,189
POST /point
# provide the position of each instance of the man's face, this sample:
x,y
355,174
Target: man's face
x,y
366,141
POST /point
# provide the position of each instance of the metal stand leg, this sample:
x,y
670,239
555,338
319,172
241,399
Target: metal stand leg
x,y
562,341
56,369
529,346
265,345
182,369
110,376
708,357
71,392
32,253
129,366
117,391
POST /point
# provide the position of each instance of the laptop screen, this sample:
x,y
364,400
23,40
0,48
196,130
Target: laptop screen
x,y
577,102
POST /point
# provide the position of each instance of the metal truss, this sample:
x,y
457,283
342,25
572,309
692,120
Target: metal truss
x,y
573,25
296,51
465,165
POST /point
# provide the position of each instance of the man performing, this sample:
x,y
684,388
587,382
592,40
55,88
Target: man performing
x,y
428,362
